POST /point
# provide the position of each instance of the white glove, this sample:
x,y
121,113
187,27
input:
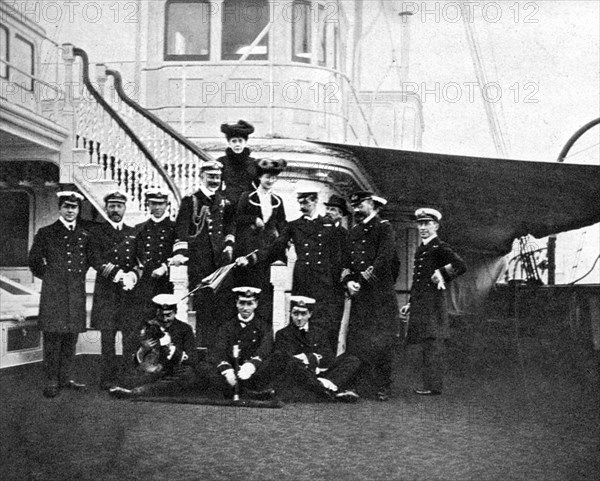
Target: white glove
x,y
160,271
177,260
353,287
228,253
438,280
302,357
129,281
242,261
119,276
230,377
166,340
246,371
327,384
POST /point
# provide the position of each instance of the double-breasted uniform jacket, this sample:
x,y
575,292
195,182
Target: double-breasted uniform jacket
x,y
255,341
317,245
314,343
428,314
61,258
374,308
116,250
182,338
239,174
204,227
154,246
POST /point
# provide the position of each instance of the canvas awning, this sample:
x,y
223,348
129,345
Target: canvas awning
x,y
485,202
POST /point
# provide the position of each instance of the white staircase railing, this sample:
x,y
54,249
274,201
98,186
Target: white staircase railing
x,y
113,151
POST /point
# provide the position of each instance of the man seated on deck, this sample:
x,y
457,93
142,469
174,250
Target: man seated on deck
x,y
239,364
166,358
303,355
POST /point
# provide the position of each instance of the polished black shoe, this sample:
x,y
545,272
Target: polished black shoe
x,y
51,390
70,384
427,392
264,395
347,396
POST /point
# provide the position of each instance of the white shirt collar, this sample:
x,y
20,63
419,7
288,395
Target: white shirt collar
x,y
245,321
304,328
311,217
206,191
68,225
428,240
367,219
160,219
116,225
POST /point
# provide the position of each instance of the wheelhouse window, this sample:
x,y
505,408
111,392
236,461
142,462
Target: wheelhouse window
x,y
14,235
336,34
301,32
243,22
23,57
3,51
187,30
322,46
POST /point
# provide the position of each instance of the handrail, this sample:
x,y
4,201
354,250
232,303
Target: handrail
x,y
78,52
118,83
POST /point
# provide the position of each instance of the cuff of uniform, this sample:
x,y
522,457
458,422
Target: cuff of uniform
x,y
229,240
109,270
180,247
448,272
224,366
256,360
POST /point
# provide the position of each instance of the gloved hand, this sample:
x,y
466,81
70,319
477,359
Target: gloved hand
x,y
353,287
230,377
246,371
119,276
129,281
302,357
160,271
241,261
327,384
438,280
228,254
178,260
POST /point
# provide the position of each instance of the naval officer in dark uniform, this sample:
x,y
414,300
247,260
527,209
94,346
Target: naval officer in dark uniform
x,y
154,247
242,349
436,264
114,244
166,359
61,255
369,278
304,356
317,270
204,240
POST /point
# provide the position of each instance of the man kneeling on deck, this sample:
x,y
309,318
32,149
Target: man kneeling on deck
x,y
166,358
303,354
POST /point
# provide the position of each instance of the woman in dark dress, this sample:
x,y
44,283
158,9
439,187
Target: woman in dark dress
x,y
260,218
